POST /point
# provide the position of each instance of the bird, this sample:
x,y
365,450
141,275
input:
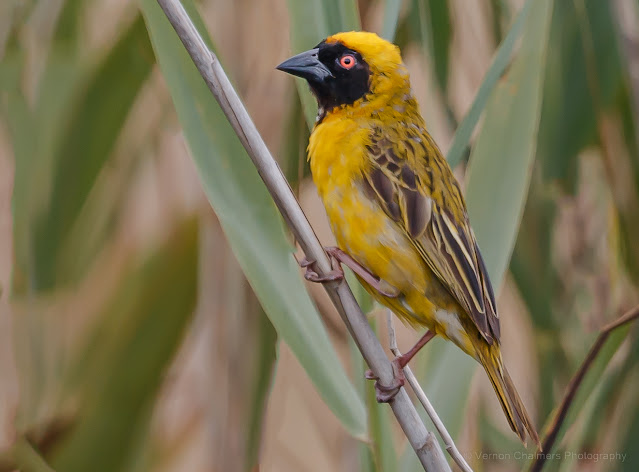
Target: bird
x,y
396,210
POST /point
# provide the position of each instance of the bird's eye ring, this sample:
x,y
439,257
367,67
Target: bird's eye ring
x,y
347,61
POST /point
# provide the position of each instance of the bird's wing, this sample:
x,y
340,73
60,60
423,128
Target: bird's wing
x,y
416,188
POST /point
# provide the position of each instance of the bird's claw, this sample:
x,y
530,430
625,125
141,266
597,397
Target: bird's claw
x,y
335,274
385,393
337,257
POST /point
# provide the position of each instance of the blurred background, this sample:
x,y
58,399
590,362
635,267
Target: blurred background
x,y
152,317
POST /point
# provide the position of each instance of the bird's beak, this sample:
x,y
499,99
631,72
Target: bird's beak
x,y
306,65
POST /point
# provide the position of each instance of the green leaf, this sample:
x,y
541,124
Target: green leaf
x,y
99,109
341,15
591,381
68,28
531,264
629,444
123,364
266,355
22,456
461,140
392,9
434,25
501,162
251,223
539,284
584,79
498,11
295,137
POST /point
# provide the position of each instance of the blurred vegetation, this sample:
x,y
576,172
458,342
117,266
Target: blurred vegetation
x,y
152,316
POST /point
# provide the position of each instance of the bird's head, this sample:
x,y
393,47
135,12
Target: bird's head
x,y
349,67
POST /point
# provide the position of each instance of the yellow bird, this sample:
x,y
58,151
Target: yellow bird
x,y
396,210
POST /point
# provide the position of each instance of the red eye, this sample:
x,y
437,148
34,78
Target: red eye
x,y
347,61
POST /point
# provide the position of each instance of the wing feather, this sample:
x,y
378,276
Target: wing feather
x,y
424,203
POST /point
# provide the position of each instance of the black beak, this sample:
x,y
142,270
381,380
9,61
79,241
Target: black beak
x,y
306,65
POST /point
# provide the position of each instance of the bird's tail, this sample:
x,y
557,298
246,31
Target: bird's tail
x,y
520,422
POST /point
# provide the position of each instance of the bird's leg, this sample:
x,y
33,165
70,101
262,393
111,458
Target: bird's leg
x,y
337,255
386,393
378,284
408,355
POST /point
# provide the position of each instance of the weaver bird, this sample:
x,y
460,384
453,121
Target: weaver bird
x,y
396,210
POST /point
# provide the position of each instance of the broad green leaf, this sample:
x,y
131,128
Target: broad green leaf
x,y
341,15
19,118
585,88
461,140
501,162
44,119
499,9
123,364
434,25
531,264
251,223
392,9
95,114
583,80
539,284
266,355
64,91
68,28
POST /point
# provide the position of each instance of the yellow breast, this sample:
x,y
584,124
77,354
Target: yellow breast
x,y
337,152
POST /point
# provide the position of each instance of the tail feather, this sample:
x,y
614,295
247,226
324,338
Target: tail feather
x,y
505,389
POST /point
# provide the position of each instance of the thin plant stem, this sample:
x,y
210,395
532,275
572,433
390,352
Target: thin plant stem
x,y
421,440
575,383
423,399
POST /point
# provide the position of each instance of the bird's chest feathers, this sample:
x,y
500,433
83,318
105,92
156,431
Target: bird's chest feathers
x,y
338,163
336,153
361,228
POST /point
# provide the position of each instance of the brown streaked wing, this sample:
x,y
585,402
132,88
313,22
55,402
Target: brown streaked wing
x,y
491,305
447,246
462,277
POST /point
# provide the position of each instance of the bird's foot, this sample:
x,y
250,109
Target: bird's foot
x,y
336,273
385,393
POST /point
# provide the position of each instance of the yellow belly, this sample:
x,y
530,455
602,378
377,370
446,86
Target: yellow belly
x,y
368,235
